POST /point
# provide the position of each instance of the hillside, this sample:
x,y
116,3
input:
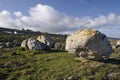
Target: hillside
x,y
19,64
16,63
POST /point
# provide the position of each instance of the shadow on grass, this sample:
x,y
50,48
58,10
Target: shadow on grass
x,y
55,51
111,61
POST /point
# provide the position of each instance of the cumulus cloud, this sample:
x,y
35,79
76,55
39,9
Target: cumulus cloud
x,y
18,14
46,19
102,20
6,20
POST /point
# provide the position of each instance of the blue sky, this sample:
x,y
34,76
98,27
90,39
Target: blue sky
x,y
77,8
62,16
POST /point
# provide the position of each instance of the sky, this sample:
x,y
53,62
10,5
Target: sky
x,y
61,16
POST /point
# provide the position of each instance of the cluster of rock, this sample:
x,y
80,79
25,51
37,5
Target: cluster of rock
x,y
41,43
8,44
89,43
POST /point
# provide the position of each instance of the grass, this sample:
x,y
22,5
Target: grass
x,y
19,64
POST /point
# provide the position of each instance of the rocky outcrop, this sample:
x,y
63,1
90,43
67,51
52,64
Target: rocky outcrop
x,y
45,40
89,43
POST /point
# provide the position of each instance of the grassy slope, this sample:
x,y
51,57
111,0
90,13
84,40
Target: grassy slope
x,y
17,64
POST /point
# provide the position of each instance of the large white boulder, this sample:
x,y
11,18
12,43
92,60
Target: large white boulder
x,y
89,43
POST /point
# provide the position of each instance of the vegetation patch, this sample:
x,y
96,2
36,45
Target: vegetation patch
x,y
19,64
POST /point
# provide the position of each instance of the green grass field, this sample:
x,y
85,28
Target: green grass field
x,y
20,64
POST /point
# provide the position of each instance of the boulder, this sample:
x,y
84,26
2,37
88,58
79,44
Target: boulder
x,y
24,44
35,44
32,43
117,45
45,40
89,43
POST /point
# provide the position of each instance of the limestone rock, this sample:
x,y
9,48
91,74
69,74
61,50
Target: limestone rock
x,y
89,43
35,44
32,43
118,44
24,44
45,39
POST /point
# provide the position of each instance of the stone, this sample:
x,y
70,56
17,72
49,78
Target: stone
x,y
24,44
117,45
32,43
45,39
35,44
89,43
2,45
58,45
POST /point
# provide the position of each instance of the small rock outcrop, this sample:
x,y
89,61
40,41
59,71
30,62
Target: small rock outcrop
x,y
89,43
45,40
32,43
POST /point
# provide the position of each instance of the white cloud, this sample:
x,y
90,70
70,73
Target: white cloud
x,y
18,14
46,19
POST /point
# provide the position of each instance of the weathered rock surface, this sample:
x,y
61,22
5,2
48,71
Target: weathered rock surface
x,y
117,45
24,44
35,44
32,43
45,40
89,43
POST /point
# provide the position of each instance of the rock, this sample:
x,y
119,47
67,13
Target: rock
x,y
24,44
2,45
118,44
45,39
112,76
89,43
9,44
32,43
58,45
35,44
